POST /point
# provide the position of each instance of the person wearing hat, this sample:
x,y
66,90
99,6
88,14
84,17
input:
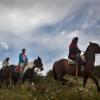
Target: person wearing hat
x,y
5,62
23,60
73,49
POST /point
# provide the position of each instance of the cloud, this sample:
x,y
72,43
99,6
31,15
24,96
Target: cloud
x,y
3,45
23,16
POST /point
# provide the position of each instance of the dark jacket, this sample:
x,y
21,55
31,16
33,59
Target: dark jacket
x,y
73,51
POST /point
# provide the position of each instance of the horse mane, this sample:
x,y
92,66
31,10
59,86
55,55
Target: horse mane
x,y
88,53
30,64
88,48
95,44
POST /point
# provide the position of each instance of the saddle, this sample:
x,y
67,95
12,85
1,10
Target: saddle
x,y
80,60
17,69
70,61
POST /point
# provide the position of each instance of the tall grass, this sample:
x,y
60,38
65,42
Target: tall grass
x,y
49,89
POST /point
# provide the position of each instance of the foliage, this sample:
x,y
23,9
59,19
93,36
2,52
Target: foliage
x,y
97,71
50,73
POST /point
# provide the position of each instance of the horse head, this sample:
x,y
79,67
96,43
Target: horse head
x,y
38,63
95,48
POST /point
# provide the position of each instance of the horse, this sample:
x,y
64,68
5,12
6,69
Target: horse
x,y
7,73
28,73
62,67
10,73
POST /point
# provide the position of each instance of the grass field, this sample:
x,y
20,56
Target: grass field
x,y
48,89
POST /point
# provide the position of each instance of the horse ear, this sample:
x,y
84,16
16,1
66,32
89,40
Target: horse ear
x,y
38,57
90,42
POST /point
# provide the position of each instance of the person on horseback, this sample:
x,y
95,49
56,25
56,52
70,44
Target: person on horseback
x,y
23,61
5,62
74,51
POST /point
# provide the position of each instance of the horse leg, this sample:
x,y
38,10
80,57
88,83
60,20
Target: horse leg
x,y
61,79
1,83
96,81
33,86
85,80
7,83
15,80
64,81
32,83
23,80
10,81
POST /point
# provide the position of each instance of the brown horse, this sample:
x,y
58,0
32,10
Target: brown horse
x,y
62,67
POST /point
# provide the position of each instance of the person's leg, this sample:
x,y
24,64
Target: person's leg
x,y
21,70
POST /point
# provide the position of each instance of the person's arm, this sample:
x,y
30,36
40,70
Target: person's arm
x,y
78,50
26,60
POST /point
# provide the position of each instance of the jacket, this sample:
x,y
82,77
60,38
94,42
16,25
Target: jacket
x,y
73,51
21,59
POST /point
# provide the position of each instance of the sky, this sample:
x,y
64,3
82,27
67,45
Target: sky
x,y
46,27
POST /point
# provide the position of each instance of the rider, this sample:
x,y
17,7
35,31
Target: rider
x,y
5,62
23,61
74,51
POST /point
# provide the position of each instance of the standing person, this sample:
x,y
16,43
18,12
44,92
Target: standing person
x,y
74,51
23,60
5,62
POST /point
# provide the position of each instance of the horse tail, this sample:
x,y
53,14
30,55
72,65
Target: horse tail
x,y
54,73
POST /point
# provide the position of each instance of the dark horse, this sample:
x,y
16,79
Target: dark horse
x,y
61,67
10,73
29,71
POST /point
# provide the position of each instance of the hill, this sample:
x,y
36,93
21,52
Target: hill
x,y
48,89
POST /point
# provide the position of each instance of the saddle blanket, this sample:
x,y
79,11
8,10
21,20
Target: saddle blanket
x,y
29,65
70,61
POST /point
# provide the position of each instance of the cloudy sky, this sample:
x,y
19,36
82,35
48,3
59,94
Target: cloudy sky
x,y
45,28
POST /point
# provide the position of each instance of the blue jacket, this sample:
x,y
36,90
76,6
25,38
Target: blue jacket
x,y
21,60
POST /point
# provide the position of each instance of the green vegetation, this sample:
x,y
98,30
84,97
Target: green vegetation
x,y
48,89
97,71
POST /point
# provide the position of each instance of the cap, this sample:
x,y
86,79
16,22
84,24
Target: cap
x,y
75,38
23,49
